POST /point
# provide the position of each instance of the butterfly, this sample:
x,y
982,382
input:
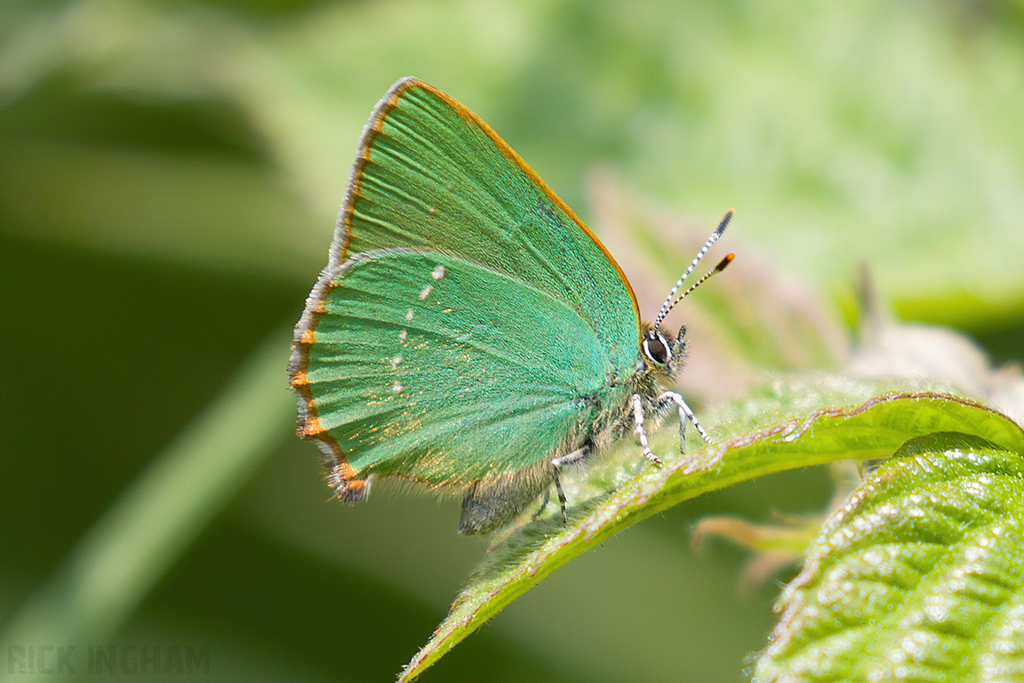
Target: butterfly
x,y
469,333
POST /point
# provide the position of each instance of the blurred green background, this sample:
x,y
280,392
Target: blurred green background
x,y
169,176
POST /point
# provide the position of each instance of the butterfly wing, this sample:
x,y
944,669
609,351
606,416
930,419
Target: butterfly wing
x,y
467,321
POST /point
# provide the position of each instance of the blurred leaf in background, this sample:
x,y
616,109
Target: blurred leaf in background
x,y
169,176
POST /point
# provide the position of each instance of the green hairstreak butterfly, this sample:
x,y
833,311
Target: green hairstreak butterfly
x,y
469,332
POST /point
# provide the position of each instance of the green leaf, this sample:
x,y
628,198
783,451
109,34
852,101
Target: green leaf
x,y
918,577
824,420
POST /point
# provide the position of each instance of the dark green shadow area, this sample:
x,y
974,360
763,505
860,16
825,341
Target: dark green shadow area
x,y
303,612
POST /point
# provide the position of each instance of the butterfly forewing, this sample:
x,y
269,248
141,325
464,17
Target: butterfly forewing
x,y
438,177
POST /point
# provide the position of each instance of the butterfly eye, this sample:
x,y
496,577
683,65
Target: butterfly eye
x,y
656,348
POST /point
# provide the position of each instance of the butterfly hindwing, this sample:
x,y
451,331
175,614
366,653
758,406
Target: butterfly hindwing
x,y
408,381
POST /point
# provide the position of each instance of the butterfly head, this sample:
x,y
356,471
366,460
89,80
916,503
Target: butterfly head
x,y
661,352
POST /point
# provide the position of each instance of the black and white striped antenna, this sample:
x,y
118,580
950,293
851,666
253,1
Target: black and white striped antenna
x,y
672,299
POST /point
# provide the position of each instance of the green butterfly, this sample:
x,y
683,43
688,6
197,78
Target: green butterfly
x,y
469,332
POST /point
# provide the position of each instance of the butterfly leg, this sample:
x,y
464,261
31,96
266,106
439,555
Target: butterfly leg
x,y
638,418
685,415
543,505
567,460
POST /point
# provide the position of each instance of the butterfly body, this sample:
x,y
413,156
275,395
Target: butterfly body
x,y
469,333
